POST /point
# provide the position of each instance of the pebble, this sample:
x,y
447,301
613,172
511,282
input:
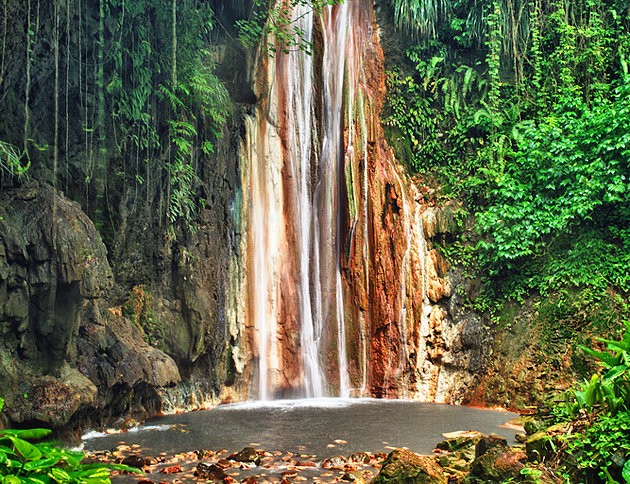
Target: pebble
x,y
171,470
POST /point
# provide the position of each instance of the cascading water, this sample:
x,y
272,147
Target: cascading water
x,y
295,169
336,266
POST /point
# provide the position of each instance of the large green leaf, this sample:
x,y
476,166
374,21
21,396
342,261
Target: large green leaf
x,y
12,479
27,450
60,475
626,472
36,480
606,358
40,464
616,372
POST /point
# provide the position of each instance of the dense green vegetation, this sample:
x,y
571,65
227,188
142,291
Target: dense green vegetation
x,y
522,109
596,415
129,107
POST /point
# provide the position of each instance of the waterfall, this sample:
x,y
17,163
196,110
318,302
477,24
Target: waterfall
x,y
339,283
336,27
295,175
300,159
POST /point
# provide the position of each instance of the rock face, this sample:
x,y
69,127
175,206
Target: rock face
x,y
63,352
344,292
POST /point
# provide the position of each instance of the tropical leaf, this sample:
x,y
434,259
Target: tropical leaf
x,y
27,434
28,451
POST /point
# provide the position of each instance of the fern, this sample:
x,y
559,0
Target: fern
x,y
11,161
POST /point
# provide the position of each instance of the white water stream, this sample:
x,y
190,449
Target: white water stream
x,y
295,165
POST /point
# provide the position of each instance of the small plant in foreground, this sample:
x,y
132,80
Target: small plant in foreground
x,y
26,458
598,448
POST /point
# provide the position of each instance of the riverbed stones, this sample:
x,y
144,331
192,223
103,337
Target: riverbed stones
x,y
360,457
136,461
405,467
353,476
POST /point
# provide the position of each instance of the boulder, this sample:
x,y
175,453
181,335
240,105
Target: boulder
x,y
488,442
459,440
65,353
405,467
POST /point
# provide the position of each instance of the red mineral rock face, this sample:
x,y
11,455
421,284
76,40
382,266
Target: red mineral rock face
x,y
339,280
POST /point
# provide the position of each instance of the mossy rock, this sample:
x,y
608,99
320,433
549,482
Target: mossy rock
x,y
543,442
405,467
499,464
459,440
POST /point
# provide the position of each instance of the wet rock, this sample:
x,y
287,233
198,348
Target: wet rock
x,y
334,462
203,453
488,442
62,347
210,472
405,467
248,454
497,464
354,476
135,461
540,444
360,457
459,440
176,469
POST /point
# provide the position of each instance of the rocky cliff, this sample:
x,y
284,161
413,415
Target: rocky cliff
x,y
64,351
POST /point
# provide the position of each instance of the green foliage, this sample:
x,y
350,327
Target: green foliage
x,y
161,62
11,164
612,389
531,130
568,168
26,458
210,100
430,114
598,450
420,17
602,451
